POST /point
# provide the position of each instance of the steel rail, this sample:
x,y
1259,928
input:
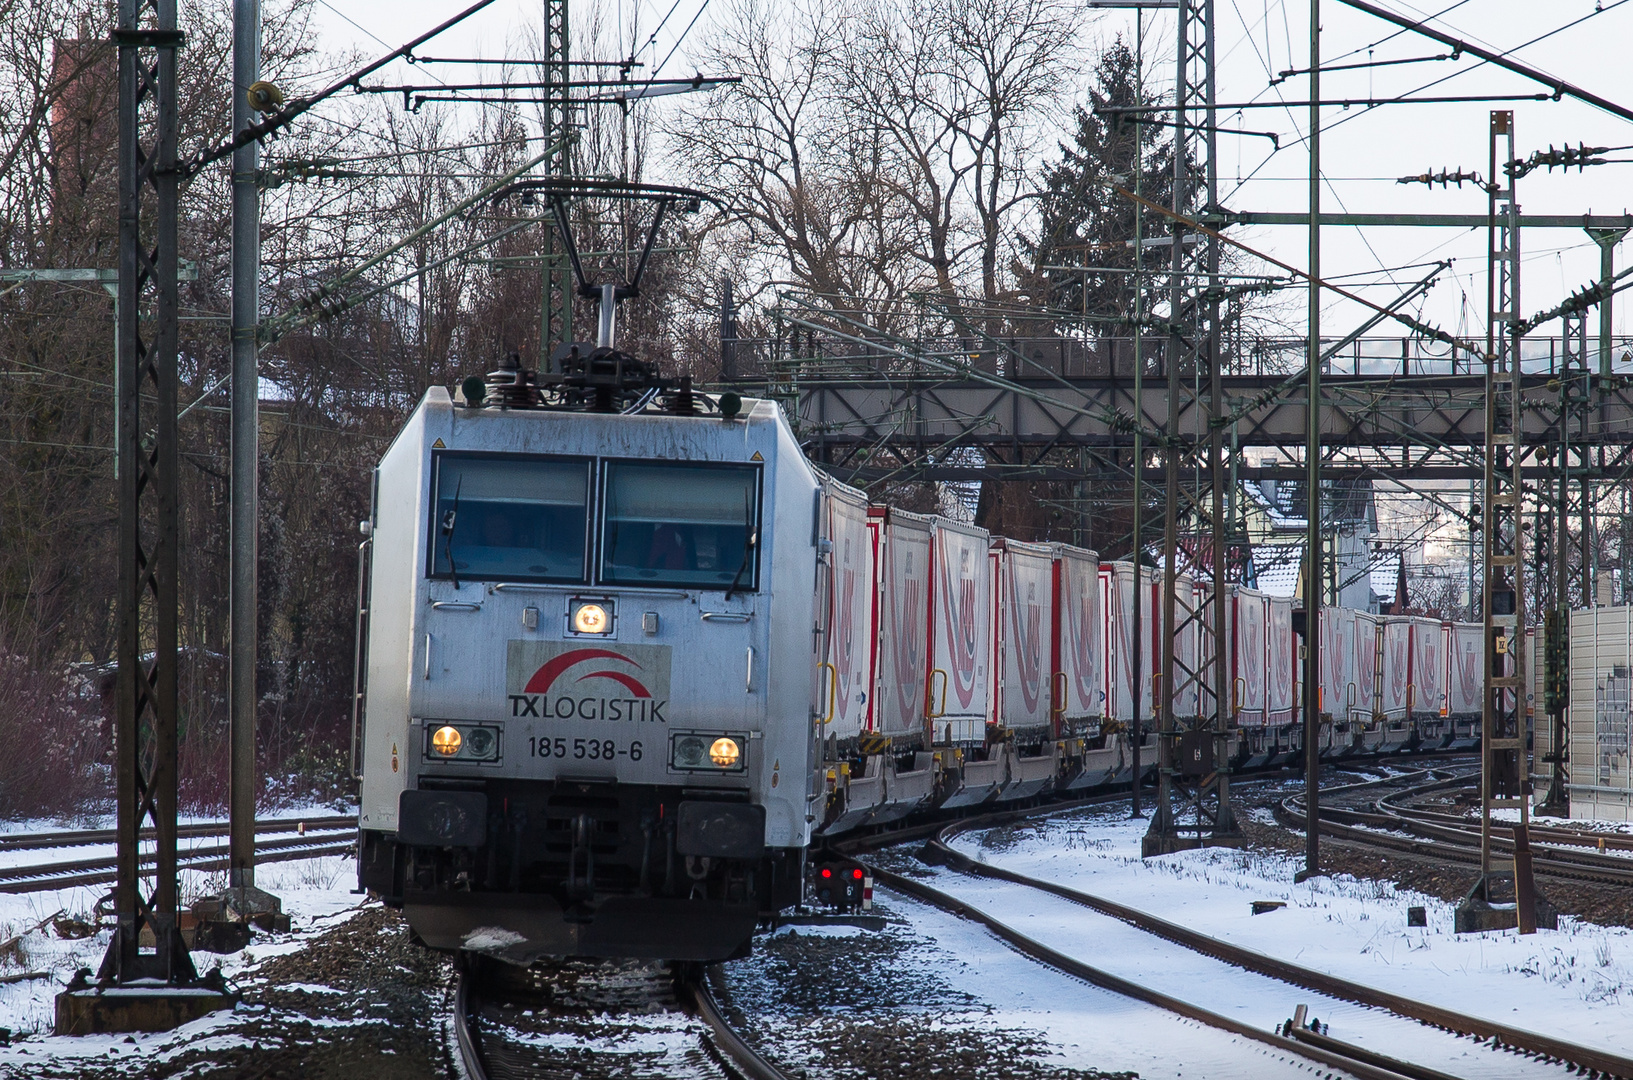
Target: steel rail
x,y
722,1043
728,1048
1553,834
1613,868
38,877
1457,840
84,837
467,1048
1045,805
744,1058
1328,1055
1455,845
1319,982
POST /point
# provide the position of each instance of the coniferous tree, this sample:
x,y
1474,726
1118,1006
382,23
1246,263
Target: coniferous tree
x,y
1083,222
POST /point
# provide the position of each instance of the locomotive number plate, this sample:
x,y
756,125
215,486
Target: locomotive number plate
x,y
584,749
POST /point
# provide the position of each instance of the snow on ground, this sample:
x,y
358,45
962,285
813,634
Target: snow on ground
x,y
1503,813
1244,996
952,982
1571,983
316,894
293,812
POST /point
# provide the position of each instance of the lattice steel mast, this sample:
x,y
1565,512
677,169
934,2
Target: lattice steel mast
x,y
1193,776
145,722
556,322
1504,782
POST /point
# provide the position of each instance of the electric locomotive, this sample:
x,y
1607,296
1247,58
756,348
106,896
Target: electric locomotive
x,y
586,719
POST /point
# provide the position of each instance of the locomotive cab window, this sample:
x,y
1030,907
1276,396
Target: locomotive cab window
x,y
690,526
509,518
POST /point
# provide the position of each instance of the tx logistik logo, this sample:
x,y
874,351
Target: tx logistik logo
x,y
553,681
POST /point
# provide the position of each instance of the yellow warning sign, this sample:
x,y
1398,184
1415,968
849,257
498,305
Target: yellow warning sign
x,y
439,445
756,457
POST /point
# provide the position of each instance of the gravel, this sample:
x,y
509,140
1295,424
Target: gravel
x,y
1606,905
357,1003
847,1006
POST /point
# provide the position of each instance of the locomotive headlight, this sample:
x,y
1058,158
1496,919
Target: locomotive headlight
x,y
689,752
707,752
481,742
446,740
591,619
725,752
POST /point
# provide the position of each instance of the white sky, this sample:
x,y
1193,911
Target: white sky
x,y
1363,151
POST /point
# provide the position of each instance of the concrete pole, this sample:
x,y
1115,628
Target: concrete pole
x,y
1312,466
246,267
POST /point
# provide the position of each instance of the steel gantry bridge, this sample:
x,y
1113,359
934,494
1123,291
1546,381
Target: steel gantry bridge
x,y
1177,407
870,406
863,427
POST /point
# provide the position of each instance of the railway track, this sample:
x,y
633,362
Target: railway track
x,y
581,1020
1512,1052
277,841
487,1043
1556,852
64,838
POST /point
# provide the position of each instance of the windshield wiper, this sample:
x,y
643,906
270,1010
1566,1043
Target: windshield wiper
x,y
448,520
748,547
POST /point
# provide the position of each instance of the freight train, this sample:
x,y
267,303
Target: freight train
x,y
627,657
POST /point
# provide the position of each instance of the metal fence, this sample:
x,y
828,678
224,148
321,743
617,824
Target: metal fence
x,y
817,355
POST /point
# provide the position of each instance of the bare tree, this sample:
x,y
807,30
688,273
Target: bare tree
x,y
877,148
810,206
963,94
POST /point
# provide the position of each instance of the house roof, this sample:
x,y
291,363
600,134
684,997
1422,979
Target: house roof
x,y
1277,566
1384,572
1345,501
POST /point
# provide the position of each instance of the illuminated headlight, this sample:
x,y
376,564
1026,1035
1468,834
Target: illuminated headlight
x,y
707,753
446,740
464,742
725,753
591,618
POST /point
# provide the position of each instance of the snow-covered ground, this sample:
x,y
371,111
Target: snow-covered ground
x,y
316,894
932,984
1503,813
303,812
1571,983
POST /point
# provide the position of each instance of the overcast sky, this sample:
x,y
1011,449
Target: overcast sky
x,y
1363,150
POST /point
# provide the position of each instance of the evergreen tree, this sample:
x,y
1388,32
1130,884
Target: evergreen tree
x,y
1083,222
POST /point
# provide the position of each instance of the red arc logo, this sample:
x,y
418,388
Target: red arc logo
x,y
551,670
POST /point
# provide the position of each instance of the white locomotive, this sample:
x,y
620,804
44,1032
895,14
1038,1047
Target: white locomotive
x,y
629,656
